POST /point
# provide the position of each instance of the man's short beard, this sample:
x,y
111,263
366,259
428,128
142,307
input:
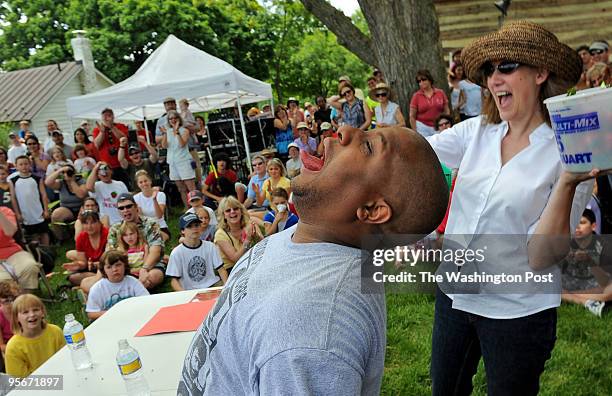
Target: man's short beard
x,y
307,197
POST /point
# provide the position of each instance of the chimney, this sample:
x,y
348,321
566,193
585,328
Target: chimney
x,y
81,46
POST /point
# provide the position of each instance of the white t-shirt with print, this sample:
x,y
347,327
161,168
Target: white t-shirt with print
x,y
106,195
147,208
104,293
195,266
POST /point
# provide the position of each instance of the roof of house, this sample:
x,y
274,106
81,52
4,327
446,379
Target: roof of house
x,y
23,93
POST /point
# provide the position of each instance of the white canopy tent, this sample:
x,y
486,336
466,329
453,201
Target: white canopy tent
x,y
179,70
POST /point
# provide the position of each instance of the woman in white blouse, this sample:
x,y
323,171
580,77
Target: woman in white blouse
x,y
511,184
388,113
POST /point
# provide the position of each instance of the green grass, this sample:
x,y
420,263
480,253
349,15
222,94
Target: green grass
x,y
580,364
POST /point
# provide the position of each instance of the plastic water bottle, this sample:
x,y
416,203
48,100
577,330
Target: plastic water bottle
x,y
130,368
75,338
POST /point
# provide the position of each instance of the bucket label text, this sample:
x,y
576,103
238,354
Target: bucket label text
x,y
576,123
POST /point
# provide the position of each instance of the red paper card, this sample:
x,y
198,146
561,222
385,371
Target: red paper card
x,y
182,317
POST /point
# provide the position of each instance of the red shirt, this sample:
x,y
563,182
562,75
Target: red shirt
x,y
5,325
84,245
8,246
225,186
104,153
428,109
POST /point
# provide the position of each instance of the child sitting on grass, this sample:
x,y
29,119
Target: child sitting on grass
x,y
587,269
9,291
134,244
114,286
280,218
34,340
208,229
193,263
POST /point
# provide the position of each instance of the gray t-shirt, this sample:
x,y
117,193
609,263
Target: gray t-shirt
x,y
291,320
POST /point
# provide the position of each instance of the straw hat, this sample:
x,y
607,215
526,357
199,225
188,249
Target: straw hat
x,y
301,125
381,87
523,42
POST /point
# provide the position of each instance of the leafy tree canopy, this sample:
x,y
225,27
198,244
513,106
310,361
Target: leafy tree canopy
x,y
274,40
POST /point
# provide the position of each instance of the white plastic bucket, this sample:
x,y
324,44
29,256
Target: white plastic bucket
x,y
583,128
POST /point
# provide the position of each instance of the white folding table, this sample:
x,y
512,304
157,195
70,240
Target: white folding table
x,y
162,355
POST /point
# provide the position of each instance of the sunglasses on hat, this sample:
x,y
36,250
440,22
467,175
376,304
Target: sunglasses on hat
x,y
596,52
504,67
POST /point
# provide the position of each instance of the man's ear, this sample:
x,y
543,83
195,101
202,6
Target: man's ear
x,y
376,211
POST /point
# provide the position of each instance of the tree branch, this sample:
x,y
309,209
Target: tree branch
x,y
348,35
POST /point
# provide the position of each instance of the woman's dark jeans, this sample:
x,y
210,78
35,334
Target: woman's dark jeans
x,y
514,350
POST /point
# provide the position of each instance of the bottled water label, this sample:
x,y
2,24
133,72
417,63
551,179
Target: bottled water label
x,y
75,338
129,368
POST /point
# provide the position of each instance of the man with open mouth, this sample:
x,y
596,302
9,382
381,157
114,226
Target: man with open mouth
x,y
292,318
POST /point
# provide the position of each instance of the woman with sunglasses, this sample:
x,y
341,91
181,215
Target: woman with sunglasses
x,y
354,112
388,113
40,159
236,233
426,104
511,186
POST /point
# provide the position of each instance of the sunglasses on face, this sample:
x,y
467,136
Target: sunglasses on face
x,y
504,67
257,163
419,80
381,95
32,144
230,210
125,207
596,52
345,93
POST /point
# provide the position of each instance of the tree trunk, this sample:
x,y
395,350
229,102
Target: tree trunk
x,y
405,37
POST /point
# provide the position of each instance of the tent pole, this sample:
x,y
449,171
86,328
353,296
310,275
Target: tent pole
x,y
144,115
244,134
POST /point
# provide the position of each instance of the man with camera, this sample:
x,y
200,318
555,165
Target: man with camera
x,y
107,137
106,191
72,192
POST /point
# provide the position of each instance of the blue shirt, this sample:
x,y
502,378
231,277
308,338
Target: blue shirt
x,y
292,220
310,147
283,138
259,181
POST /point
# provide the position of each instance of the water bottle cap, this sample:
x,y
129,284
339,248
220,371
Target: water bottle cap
x,y
123,343
69,317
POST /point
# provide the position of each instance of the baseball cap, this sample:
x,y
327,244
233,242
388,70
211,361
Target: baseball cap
x,y
125,197
293,145
85,122
12,134
598,45
106,110
169,99
301,125
187,219
56,132
325,126
134,149
194,194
